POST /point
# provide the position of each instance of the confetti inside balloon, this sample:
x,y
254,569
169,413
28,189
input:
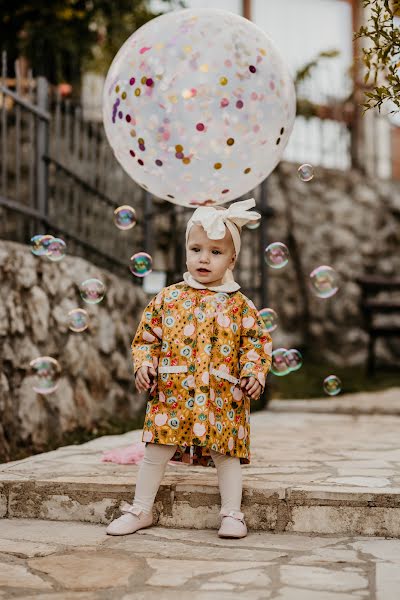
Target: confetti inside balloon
x,y
92,291
198,106
332,385
324,281
40,243
276,255
270,319
279,364
306,172
46,371
293,359
56,249
125,217
78,320
141,264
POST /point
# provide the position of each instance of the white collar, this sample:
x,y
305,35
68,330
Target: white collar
x,y
229,286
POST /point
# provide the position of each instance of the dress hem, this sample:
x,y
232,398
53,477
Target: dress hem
x,y
193,458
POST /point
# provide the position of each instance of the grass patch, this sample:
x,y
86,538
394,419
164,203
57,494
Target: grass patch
x,y
307,381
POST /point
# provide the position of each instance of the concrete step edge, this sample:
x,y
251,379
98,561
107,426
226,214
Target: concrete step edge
x,y
304,509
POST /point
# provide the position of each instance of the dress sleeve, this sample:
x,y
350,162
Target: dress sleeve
x,y
147,341
255,353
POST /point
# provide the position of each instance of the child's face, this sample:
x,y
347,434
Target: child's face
x,y
207,260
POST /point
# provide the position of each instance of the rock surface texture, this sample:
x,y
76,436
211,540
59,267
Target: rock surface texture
x,y
344,220
96,375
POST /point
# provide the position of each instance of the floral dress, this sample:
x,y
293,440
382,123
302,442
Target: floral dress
x,y
205,342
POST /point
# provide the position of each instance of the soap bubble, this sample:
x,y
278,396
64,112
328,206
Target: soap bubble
x,y
56,249
221,298
332,385
141,264
293,359
215,303
253,224
276,255
125,217
47,372
36,246
92,291
306,172
269,318
78,319
279,364
40,243
324,281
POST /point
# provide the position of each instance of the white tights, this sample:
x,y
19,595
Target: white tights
x,y
152,469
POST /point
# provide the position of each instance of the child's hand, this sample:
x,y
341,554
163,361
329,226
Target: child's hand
x,y
145,376
251,386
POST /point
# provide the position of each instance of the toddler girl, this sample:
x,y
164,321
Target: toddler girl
x,y
203,352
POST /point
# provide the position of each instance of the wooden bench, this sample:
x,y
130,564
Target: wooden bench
x,y
371,307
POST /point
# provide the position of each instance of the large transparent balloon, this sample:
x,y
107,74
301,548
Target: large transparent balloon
x,y
198,106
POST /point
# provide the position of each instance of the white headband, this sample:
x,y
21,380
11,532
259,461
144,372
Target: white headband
x,y
215,221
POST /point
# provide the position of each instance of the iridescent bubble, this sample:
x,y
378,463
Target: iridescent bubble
x,y
332,385
276,255
215,303
92,291
125,217
306,172
293,359
47,373
279,364
40,244
254,224
78,319
219,301
56,249
36,244
141,264
270,319
324,281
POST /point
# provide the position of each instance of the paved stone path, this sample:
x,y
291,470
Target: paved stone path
x,y
56,560
310,473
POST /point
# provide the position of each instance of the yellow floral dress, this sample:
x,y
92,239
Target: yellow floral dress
x,y
205,342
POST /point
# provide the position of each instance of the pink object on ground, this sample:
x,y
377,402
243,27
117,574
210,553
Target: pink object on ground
x,y
129,455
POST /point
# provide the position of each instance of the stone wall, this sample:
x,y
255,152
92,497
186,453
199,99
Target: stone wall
x,y
351,223
97,378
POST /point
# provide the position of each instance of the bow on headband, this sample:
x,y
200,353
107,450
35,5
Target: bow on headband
x,y
214,221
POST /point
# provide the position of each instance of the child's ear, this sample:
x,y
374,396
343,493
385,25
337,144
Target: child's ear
x,y
233,261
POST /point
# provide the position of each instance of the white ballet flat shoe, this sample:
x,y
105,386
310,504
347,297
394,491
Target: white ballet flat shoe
x,y
132,520
232,525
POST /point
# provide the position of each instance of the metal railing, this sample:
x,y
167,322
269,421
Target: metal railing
x,y
59,176
56,175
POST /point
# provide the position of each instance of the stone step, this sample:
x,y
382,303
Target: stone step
x,y
309,473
